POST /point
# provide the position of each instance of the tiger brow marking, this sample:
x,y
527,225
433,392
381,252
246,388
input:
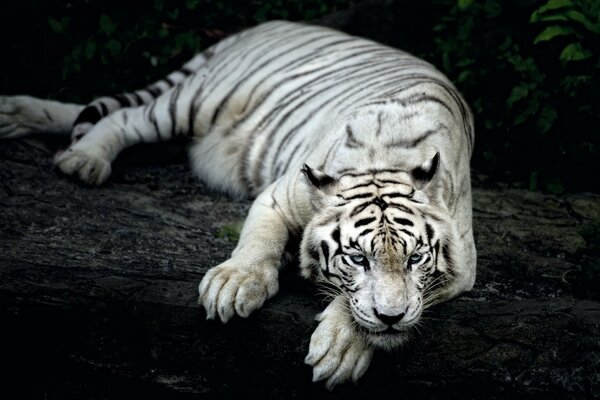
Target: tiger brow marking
x,y
365,232
403,221
409,233
364,221
359,196
360,185
394,195
378,131
415,142
351,141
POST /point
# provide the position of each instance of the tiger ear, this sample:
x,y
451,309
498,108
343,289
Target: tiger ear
x,y
424,174
319,180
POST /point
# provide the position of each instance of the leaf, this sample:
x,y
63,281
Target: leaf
x,y
55,26
90,49
574,52
492,8
551,32
519,92
113,46
173,14
163,32
463,76
464,4
192,4
106,25
551,5
582,19
546,119
533,181
555,187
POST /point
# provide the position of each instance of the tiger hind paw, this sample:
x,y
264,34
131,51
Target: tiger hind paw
x,y
91,167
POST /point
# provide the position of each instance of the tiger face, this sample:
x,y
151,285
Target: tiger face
x,y
378,241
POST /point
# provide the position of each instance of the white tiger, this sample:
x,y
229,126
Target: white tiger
x,y
361,149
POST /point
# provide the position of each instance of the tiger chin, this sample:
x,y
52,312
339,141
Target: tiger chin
x,y
361,149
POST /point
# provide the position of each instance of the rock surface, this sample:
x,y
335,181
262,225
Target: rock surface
x,y
98,294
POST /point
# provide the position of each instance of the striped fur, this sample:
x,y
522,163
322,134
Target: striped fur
x,y
360,149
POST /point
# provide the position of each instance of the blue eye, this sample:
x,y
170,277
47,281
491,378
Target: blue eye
x,y
360,260
415,258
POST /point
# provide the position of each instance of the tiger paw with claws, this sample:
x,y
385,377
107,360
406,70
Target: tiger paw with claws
x,y
234,288
337,352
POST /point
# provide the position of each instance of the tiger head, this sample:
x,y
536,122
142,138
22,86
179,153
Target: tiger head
x,y
379,239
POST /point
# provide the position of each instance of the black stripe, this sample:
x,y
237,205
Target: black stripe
x,y
365,232
186,71
173,109
403,221
364,221
325,251
448,256
429,231
47,114
155,91
394,195
152,118
122,99
351,141
170,81
360,185
247,76
138,98
378,131
360,208
89,114
195,105
409,233
359,196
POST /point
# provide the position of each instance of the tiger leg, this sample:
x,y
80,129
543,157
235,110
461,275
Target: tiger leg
x,y
106,105
241,284
337,352
161,120
24,115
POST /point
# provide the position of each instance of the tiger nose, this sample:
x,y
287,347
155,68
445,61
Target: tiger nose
x,y
388,319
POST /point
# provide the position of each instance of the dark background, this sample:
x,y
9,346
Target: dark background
x,y
530,69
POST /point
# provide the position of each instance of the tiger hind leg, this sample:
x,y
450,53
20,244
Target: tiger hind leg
x,y
163,119
24,115
106,105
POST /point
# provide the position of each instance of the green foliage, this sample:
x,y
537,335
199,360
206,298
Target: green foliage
x,y
531,72
110,46
231,231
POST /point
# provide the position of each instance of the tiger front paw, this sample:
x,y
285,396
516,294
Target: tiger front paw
x,y
337,352
88,162
235,288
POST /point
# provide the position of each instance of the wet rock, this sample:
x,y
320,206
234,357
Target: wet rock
x,y
98,294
